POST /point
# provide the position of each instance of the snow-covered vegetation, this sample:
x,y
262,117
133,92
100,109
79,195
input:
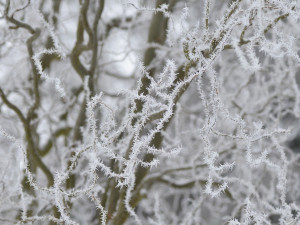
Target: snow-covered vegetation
x,y
149,112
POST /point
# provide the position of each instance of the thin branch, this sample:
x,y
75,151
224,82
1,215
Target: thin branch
x,y
94,38
12,107
17,23
21,8
36,76
118,76
60,132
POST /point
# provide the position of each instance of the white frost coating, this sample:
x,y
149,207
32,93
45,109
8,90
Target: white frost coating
x,y
199,135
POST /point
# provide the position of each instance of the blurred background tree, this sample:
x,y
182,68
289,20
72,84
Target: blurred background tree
x,y
149,112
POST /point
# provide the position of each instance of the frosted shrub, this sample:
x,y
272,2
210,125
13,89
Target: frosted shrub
x,y
143,112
